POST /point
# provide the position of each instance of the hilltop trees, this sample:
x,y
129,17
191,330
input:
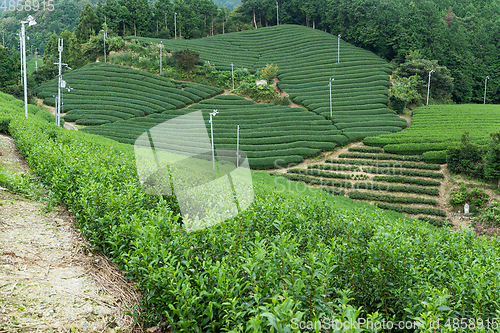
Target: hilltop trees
x,y
89,24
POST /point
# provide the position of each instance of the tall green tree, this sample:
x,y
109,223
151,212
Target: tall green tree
x,y
71,51
139,14
89,24
492,159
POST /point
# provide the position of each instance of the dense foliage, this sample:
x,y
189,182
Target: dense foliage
x,y
288,256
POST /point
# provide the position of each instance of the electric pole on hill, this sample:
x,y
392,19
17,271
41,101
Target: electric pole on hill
x,y
61,82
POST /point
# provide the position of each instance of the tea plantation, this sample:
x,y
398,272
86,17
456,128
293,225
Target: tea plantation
x,y
439,127
289,256
393,182
104,93
307,59
270,135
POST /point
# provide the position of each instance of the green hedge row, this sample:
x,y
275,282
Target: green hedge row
x,y
381,156
396,188
319,173
334,191
412,210
435,156
406,180
374,150
435,222
406,165
390,198
415,148
315,181
404,172
335,167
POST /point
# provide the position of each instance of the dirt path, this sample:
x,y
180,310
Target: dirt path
x,y
51,109
49,281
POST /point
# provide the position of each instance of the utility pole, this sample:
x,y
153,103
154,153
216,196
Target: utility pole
x,y
429,85
277,13
36,65
31,21
238,147
232,73
338,50
58,102
212,114
485,83
330,85
175,24
161,46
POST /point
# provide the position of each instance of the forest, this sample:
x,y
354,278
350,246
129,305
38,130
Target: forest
x,y
462,35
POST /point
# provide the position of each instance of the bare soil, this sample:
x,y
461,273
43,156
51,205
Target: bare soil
x,y
49,279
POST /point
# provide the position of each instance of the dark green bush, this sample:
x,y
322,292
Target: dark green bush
x,y
435,222
406,180
375,150
412,210
390,198
382,157
404,172
435,156
396,188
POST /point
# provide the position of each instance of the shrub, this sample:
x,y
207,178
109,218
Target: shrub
x,y
390,198
374,150
412,210
405,172
396,188
435,156
269,72
382,156
435,222
186,59
406,180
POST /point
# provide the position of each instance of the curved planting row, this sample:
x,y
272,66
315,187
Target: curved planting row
x,y
386,179
271,136
307,59
105,93
452,121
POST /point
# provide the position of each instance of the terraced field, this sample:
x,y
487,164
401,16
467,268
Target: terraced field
x,y
270,135
451,120
105,93
307,59
393,182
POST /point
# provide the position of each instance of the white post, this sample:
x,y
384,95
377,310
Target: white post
x,y
36,65
485,82
238,147
330,85
338,50
58,110
21,50
277,13
175,24
212,114
24,72
161,45
429,85
232,73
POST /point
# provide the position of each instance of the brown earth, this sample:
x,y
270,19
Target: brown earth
x,y
49,279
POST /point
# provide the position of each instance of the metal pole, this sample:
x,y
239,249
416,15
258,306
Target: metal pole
x,y
24,75
238,147
330,85
60,49
21,50
161,45
212,136
175,24
232,73
485,82
277,13
429,86
338,50
36,65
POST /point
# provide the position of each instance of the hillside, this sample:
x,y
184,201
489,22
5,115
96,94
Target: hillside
x,y
307,59
451,120
290,254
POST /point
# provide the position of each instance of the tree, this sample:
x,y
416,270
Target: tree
x,y
89,24
186,59
468,158
72,51
492,159
140,15
9,68
404,92
441,86
163,11
269,72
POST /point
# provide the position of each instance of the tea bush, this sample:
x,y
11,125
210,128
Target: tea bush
x,y
404,172
288,256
